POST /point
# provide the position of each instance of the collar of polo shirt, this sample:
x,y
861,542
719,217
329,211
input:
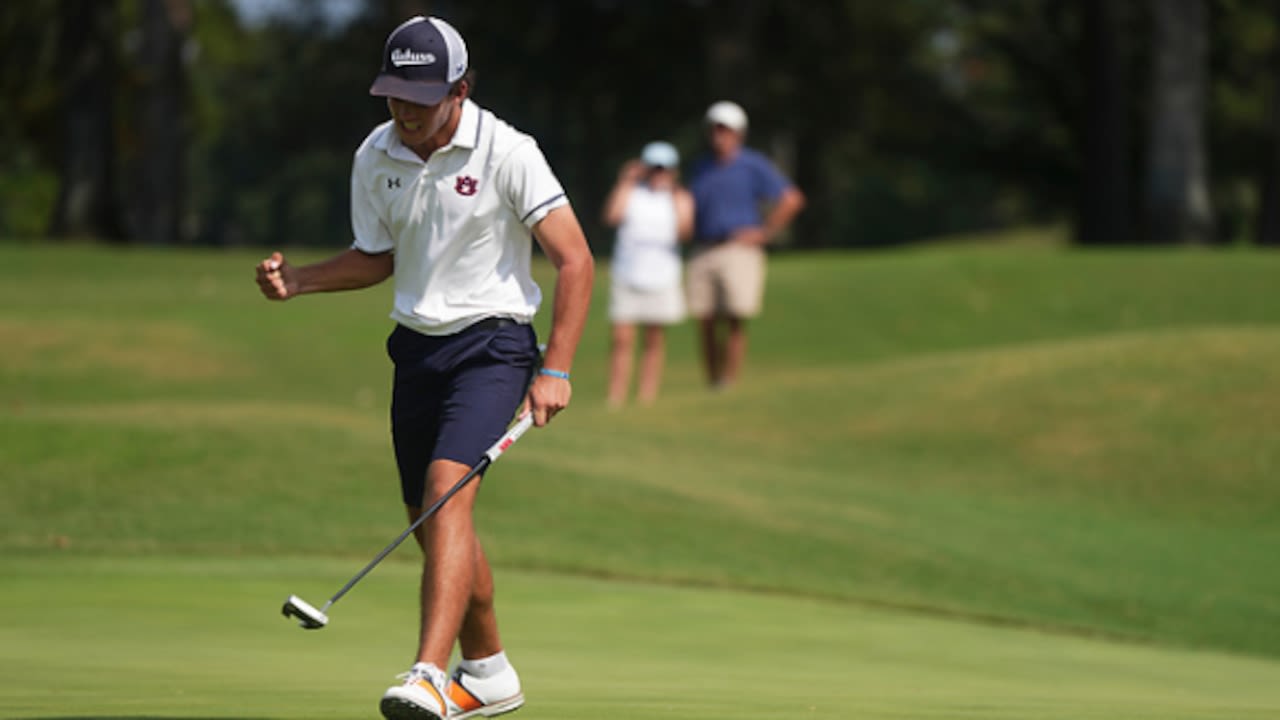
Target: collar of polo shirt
x,y
465,136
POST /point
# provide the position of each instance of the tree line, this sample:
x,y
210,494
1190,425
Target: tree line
x,y
181,122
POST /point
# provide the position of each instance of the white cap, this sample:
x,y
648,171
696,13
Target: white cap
x,y
660,154
729,114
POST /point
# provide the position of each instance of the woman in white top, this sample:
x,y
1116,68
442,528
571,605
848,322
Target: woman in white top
x,y
653,215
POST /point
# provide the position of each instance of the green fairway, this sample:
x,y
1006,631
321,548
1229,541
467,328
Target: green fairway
x,y
961,482
169,637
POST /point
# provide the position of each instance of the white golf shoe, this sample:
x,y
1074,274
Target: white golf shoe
x,y
420,697
471,696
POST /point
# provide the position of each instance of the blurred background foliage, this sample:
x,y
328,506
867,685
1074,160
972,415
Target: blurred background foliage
x,y
232,122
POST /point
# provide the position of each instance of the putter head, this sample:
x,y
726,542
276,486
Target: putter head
x,y
308,617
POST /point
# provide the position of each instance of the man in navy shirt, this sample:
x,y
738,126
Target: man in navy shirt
x,y
741,202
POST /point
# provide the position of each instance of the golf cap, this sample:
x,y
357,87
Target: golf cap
x,y
423,58
728,114
660,154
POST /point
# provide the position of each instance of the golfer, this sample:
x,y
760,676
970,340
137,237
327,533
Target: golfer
x,y
444,198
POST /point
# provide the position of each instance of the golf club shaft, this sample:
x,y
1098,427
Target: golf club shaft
x,y
522,424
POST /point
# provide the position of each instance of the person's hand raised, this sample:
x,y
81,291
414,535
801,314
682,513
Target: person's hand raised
x,y
276,278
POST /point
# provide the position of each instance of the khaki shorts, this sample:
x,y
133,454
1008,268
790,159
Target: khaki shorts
x,y
726,279
637,306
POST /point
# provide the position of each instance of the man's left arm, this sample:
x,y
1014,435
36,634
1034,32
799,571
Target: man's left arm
x,y
561,238
788,205
784,199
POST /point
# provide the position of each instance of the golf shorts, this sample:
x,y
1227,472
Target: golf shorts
x,y
726,280
643,306
454,395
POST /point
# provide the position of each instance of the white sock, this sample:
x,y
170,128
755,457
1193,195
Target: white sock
x,y
487,666
438,676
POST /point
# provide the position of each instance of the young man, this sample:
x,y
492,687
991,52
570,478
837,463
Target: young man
x,y
727,267
444,197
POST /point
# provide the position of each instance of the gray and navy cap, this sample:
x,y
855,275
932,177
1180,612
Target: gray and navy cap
x,y
423,58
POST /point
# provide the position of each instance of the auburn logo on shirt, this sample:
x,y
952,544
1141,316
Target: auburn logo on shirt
x,y
466,185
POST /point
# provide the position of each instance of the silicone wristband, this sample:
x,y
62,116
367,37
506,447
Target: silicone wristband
x,y
554,373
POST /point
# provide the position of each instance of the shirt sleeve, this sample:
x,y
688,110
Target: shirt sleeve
x,y
526,182
769,181
371,235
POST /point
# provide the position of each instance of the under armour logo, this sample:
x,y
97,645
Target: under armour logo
x,y
393,183
466,185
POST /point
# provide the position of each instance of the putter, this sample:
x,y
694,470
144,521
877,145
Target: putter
x,y
311,618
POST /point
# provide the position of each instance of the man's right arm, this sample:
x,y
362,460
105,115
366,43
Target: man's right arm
x,y
349,270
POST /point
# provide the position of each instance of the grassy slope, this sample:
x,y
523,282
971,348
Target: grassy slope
x,y
1078,440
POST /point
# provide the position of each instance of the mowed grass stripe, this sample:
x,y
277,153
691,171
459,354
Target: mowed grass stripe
x,y
196,637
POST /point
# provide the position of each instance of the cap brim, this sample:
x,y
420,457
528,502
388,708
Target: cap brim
x,y
736,127
422,93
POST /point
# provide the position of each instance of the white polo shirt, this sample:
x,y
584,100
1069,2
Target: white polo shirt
x,y
459,223
647,252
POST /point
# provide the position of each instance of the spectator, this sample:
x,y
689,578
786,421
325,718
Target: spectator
x,y
653,215
726,271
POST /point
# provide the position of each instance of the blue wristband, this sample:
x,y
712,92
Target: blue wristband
x,y
554,373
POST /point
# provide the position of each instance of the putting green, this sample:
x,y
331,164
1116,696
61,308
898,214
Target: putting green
x,y
159,637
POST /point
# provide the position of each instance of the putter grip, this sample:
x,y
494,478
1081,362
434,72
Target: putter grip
x,y
523,423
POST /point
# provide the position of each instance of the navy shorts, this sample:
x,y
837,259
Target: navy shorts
x,y
455,395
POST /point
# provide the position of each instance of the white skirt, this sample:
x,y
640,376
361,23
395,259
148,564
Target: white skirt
x,y
646,306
